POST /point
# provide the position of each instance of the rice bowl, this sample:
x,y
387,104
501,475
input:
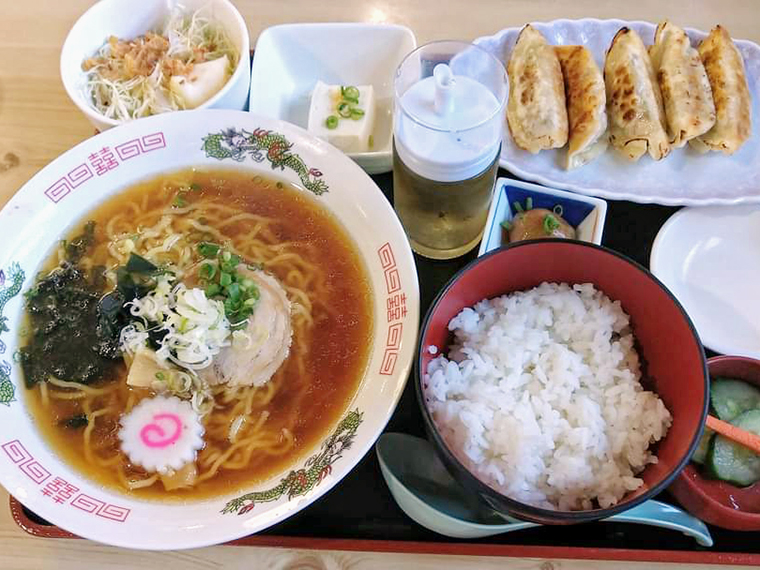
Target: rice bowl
x,y
540,397
677,377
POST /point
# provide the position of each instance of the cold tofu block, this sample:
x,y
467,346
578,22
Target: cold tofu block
x,y
352,133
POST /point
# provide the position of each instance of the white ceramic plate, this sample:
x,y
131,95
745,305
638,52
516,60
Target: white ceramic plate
x,y
290,59
584,213
683,178
64,191
710,259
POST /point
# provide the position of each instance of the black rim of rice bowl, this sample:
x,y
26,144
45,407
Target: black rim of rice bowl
x,y
489,496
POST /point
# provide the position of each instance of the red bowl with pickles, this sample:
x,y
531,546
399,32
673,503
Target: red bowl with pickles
x,y
717,502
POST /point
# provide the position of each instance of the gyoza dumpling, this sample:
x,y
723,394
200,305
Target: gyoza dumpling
x,y
686,93
635,116
586,105
725,70
536,110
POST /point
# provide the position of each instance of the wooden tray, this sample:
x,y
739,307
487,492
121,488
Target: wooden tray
x,y
360,514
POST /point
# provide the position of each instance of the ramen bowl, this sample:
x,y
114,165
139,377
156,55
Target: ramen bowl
x,y
127,20
67,191
659,323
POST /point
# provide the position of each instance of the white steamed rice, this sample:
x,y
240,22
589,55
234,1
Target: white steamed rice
x,y
540,397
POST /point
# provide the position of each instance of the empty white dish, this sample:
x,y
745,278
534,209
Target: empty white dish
x,y
710,260
291,58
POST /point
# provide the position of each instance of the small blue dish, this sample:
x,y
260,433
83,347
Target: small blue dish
x,y
584,213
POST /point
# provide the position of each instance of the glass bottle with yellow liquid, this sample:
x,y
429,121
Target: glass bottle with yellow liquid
x,y
448,127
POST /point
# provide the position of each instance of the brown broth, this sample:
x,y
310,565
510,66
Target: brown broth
x,y
338,351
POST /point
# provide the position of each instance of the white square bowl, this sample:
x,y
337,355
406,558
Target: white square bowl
x,y
584,213
290,59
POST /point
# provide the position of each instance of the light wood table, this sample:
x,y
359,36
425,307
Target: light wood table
x,y
38,123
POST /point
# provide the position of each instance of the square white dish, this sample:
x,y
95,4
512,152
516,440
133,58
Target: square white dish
x,y
585,213
685,177
291,58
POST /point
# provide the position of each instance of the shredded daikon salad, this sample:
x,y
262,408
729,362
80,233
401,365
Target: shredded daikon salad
x,y
129,79
195,328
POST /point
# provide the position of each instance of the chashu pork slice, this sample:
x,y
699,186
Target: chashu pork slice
x,y
255,360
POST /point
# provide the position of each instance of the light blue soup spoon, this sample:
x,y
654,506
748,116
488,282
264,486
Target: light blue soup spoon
x,y
426,492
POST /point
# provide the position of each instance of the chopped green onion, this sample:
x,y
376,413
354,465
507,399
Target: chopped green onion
x,y
179,201
160,376
357,114
506,225
350,92
234,291
517,206
208,249
195,187
229,265
529,203
207,271
331,122
558,209
213,290
344,110
238,293
550,224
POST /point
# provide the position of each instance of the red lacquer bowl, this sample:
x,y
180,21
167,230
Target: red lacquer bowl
x,y
672,355
717,502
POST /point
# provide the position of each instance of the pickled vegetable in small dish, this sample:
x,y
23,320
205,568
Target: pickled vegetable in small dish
x,y
545,210
179,66
738,403
537,223
735,386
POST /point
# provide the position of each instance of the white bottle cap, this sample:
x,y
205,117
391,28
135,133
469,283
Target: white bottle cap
x,y
448,127
444,89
